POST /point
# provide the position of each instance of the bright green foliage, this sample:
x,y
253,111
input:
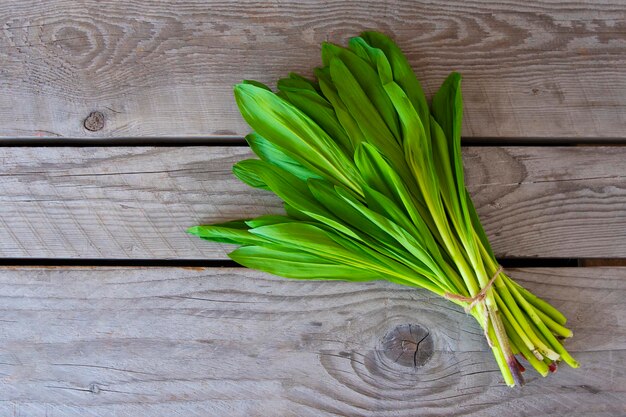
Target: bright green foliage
x,y
373,185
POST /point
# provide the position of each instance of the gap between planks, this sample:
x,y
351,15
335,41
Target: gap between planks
x,y
235,141
226,263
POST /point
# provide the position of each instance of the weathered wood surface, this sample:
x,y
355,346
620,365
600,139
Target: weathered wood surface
x,y
136,202
147,342
162,68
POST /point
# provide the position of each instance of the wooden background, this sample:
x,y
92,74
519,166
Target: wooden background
x,y
118,131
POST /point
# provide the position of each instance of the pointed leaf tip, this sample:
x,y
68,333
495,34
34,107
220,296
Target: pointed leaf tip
x,y
193,230
256,84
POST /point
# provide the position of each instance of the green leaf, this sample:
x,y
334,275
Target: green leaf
x,y
281,261
448,112
234,232
241,171
295,133
402,73
378,173
381,204
402,236
311,103
273,154
367,80
337,249
344,117
375,57
373,227
267,220
326,194
447,182
478,227
448,109
418,153
381,176
295,84
360,107
256,84
298,77
297,214
295,193
417,150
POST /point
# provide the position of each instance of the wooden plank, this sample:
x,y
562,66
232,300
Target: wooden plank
x,y
161,342
532,69
136,202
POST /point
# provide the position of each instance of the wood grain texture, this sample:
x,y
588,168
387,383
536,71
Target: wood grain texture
x,y
157,68
136,202
161,342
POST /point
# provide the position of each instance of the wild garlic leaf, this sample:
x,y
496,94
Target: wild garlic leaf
x,y
448,111
292,83
235,232
441,162
267,220
478,227
417,147
273,154
335,248
288,263
378,173
402,72
298,77
256,84
367,80
297,214
294,192
349,210
374,56
295,133
346,120
325,194
393,230
311,103
360,107
242,171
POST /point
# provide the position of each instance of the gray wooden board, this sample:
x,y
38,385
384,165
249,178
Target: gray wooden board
x,y
162,68
136,202
150,342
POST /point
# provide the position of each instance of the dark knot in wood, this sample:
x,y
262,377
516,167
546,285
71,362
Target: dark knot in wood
x,y
408,345
94,388
94,122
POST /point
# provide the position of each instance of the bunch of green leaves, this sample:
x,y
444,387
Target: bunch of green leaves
x,y
372,181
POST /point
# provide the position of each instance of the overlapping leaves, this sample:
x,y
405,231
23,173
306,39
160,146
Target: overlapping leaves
x,y
373,187
345,156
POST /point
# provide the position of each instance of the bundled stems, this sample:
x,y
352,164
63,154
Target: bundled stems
x,y
372,181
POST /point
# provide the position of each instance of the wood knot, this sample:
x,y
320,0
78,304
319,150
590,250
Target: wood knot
x,y
94,388
408,345
94,122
